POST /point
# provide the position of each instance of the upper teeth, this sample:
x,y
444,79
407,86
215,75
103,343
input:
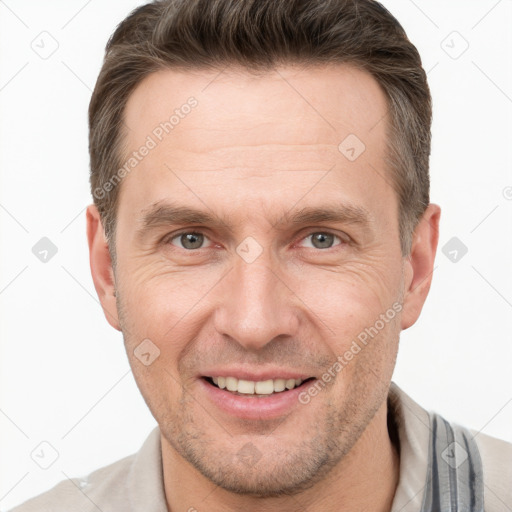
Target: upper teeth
x,y
262,387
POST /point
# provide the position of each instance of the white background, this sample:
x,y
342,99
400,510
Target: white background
x,y
65,378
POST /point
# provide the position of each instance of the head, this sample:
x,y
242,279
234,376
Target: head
x,y
260,178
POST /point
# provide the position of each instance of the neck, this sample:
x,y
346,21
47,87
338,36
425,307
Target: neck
x,y
365,479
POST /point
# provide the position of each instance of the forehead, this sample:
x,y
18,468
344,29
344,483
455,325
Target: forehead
x,y
256,134
328,101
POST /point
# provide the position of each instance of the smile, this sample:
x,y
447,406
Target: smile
x,y
248,387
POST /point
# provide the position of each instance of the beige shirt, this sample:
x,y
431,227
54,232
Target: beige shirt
x,y
135,483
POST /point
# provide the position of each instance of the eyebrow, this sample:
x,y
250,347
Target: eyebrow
x,y
165,214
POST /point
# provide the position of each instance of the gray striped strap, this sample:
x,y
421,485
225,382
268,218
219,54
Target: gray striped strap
x,y
454,477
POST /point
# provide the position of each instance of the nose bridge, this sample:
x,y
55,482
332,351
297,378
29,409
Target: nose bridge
x,y
255,305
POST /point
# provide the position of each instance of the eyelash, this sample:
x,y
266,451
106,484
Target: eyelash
x,y
169,239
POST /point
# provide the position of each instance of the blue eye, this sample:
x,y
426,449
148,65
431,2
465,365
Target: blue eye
x,y
322,239
190,240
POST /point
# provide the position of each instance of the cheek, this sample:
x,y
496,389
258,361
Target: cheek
x,y
161,300
358,314
353,295
169,305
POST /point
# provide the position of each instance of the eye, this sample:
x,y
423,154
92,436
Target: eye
x,y
322,239
189,240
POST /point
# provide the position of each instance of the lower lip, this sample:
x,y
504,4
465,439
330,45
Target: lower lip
x,y
250,407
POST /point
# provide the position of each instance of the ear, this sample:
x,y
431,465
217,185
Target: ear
x,y
101,266
419,265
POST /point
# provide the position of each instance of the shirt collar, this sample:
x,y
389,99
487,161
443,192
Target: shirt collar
x,y
414,429
145,482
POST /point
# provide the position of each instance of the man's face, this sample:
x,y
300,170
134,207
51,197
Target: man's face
x,y
260,293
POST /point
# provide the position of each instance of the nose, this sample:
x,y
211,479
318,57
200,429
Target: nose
x,y
256,304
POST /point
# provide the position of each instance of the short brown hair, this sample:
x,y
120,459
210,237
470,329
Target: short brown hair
x,y
260,35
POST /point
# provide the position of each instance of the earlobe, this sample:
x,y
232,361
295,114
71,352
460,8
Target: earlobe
x,y
101,266
419,265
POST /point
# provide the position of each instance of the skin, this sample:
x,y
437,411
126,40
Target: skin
x,y
255,148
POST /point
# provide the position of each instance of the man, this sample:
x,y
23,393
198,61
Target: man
x,y
261,233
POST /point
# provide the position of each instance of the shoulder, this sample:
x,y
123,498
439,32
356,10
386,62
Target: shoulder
x,y
99,489
419,430
496,456
132,483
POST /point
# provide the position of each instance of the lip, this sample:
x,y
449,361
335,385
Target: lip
x,y
262,407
